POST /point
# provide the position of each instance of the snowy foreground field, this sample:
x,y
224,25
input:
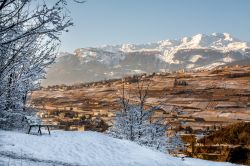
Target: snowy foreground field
x,y
83,148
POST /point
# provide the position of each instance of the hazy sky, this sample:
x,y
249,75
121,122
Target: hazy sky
x,y
99,22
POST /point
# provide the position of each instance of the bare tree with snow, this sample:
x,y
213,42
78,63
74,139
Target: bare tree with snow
x,y
29,38
135,121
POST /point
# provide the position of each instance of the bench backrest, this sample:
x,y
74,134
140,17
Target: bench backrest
x,y
33,120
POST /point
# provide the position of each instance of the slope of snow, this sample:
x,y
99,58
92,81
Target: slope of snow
x,y
228,59
85,148
96,54
199,162
237,46
169,57
211,66
195,58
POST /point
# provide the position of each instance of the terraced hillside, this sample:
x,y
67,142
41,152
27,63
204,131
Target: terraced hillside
x,y
199,99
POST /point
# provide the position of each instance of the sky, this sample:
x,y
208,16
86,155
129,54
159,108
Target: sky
x,y
112,22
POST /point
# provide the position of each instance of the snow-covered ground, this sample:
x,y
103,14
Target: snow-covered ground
x,y
83,148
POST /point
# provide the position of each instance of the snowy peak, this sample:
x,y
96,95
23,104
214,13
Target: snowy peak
x,y
224,36
220,41
198,40
167,50
196,51
97,54
227,36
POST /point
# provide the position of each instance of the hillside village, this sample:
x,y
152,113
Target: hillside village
x,y
197,99
194,103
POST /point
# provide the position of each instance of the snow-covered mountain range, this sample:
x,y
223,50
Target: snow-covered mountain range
x,y
190,53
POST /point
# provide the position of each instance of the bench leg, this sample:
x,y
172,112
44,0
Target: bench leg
x,y
39,130
48,129
29,129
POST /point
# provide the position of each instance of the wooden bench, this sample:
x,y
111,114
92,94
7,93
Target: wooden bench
x,y
39,128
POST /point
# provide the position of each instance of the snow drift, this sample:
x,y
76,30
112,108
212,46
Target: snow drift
x,y
85,148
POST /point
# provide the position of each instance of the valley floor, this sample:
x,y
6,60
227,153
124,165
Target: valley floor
x,y
67,148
